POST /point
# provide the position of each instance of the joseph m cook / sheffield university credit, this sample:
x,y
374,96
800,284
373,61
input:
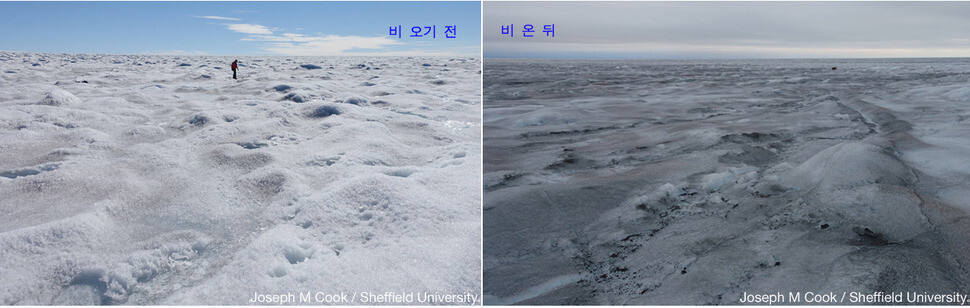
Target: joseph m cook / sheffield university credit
x,y
365,298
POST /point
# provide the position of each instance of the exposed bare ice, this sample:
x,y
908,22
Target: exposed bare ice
x,y
694,182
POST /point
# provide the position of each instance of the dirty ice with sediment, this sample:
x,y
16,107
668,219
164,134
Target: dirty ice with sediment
x,y
694,182
160,180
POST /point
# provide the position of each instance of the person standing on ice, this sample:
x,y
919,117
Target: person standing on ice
x,y
234,68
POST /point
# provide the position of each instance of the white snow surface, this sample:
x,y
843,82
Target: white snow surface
x,y
693,182
138,180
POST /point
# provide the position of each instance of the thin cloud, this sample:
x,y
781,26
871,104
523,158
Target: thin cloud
x,y
295,44
299,45
218,18
250,29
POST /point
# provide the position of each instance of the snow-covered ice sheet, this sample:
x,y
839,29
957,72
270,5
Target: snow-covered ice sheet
x,y
160,180
693,182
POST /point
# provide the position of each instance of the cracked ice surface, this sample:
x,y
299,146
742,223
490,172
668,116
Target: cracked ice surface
x,y
690,182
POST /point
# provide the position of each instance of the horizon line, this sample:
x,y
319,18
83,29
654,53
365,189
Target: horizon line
x,y
712,59
215,55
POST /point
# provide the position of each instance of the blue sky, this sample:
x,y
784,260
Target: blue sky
x,y
238,28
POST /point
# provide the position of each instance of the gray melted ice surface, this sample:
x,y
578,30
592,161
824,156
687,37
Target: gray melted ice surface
x,y
692,182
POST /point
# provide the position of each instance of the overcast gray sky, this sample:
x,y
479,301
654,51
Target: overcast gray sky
x,y
715,30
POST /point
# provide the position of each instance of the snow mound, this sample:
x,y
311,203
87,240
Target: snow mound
x,y
58,97
714,181
859,184
116,282
961,94
545,117
668,190
884,213
263,187
666,193
139,98
849,165
297,96
245,161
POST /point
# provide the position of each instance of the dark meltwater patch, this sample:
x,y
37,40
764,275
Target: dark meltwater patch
x,y
282,88
199,120
297,97
356,101
252,145
295,256
324,111
13,174
92,278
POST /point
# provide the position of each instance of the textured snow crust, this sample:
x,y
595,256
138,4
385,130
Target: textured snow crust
x,y
160,180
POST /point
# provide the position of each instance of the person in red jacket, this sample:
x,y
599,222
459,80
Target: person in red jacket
x,y
234,68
